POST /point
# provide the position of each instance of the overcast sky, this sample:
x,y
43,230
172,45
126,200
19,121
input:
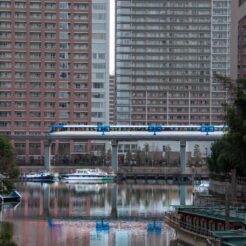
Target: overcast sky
x,y
112,26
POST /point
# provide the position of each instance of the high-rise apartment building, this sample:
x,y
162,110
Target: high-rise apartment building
x,y
112,100
167,53
238,40
100,61
53,67
241,2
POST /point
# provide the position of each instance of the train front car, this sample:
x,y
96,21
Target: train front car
x,y
154,128
103,128
56,128
207,128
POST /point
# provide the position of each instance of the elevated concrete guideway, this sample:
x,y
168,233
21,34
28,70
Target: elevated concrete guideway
x,y
134,136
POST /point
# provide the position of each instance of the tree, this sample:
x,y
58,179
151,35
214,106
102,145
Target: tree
x,y
156,156
109,156
229,152
168,150
197,154
146,151
128,157
140,156
102,156
8,166
6,234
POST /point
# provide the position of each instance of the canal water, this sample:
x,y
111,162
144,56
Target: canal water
x,y
91,214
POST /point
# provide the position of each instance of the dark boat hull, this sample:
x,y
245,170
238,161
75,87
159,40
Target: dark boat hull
x,y
48,178
13,197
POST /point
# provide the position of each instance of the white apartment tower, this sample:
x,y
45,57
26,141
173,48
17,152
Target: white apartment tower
x,y
167,55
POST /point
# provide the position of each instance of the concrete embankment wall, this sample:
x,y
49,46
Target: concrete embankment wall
x,y
237,189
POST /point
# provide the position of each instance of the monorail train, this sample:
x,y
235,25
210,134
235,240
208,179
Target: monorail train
x,y
135,128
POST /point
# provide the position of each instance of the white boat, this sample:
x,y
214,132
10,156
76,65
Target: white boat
x,y
202,187
88,176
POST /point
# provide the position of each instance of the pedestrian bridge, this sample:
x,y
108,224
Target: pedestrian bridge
x,y
116,133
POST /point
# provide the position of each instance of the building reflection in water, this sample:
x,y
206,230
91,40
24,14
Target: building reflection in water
x,y
67,214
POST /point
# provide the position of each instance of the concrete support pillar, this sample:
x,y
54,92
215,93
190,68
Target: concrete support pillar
x,y
182,195
114,158
182,156
47,152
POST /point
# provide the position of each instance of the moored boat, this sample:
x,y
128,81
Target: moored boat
x,y
88,176
12,197
44,176
203,187
201,225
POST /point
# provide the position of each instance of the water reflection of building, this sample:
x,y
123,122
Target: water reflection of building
x,y
62,213
98,200
39,233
